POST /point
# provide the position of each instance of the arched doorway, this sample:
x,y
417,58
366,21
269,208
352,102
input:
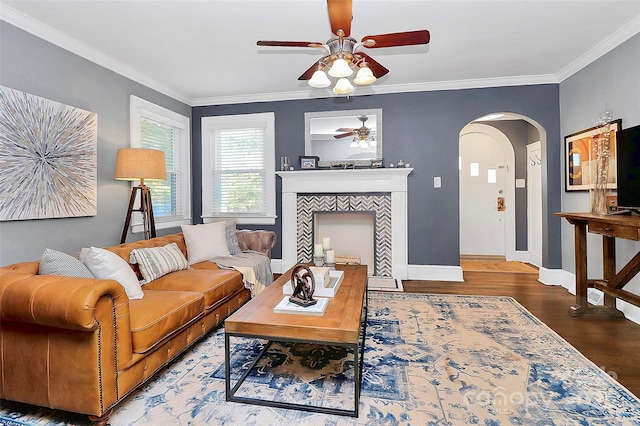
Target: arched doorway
x,y
531,191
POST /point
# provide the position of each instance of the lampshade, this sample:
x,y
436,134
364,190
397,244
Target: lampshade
x,y
340,68
354,143
363,144
343,87
140,163
319,79
364,76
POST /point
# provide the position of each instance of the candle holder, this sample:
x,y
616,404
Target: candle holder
x,y
318,260
331,266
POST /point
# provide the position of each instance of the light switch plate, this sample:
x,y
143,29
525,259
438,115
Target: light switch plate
x,y
437,182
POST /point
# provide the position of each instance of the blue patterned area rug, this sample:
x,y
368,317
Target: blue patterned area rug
x,y
430,360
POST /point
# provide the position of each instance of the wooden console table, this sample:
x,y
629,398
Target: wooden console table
x,y
612,283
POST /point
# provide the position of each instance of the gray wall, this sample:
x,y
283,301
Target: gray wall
x,y
34,66
423,129
613,81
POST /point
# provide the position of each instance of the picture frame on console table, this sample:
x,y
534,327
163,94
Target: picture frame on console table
x,y
309,162
580,157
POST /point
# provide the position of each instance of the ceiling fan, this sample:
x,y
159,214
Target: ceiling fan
x,y
361,132
363,137
343,52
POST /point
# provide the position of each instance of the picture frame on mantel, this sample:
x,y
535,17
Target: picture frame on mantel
x,y
309,162
580,157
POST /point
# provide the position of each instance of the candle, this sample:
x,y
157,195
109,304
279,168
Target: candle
x,y
317,250
331,256
326,243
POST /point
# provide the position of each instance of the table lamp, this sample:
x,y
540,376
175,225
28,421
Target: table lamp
x,y
140,163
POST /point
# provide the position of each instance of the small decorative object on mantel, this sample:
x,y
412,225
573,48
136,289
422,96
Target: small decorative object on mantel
x,y
377,163
342,165
309,162
303,284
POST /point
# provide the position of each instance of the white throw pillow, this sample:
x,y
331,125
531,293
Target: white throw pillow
x,y
107,265
155,262
232,238
205,242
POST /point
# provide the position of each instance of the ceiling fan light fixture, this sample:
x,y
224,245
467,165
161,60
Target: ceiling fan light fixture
x,y
343,87
354,143
363,144
319,79
364,76
340,68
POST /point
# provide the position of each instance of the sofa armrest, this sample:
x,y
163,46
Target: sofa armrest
x,y
261,241
55,301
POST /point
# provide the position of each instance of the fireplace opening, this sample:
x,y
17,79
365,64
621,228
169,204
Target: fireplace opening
x,y
351,234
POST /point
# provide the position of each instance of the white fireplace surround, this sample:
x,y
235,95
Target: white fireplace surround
x,y
392,181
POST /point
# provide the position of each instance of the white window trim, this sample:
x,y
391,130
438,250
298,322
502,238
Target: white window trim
x,y
140,107
232,121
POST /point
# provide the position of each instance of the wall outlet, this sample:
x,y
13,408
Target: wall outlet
x,y
437,182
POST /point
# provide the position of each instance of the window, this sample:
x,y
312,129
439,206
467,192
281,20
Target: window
x,y
155,127
238,168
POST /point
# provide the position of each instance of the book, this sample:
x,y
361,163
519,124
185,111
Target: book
x,y
286,307
329,290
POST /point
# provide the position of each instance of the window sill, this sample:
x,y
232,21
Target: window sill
x,y
262,220
137,228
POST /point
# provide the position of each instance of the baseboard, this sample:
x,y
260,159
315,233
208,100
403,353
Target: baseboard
x,y
276,266
435,273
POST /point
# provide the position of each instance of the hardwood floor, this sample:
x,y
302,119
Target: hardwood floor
x,y
612,344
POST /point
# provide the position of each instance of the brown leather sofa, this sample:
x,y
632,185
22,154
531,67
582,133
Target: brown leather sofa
x,y
80,345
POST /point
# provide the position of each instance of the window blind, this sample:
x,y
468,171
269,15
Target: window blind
x,y
238,171
168,202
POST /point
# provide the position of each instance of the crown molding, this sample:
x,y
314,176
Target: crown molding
x,y
602,48
53,36
381,89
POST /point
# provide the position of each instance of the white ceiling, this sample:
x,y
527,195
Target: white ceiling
x,y
204,52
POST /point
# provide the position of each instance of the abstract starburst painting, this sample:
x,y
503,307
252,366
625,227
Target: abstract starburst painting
x,y
48,158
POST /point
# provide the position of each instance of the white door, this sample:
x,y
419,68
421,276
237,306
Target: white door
x,y
482,195
534,203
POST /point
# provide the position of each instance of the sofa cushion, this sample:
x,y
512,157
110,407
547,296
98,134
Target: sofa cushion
x,y
158,261
55,262
205,241
104,264
214,283
160,314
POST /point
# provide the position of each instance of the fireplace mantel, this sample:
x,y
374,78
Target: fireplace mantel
x,y
392,181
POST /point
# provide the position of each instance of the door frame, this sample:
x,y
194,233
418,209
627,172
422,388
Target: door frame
x,y
509,190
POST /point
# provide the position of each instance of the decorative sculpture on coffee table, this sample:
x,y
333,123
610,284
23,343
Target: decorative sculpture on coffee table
x,y
303,284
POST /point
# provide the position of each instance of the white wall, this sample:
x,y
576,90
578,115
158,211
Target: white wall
x,y
612,82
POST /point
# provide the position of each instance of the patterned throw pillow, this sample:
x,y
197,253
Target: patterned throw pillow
x,y
158,261
232,238
55,262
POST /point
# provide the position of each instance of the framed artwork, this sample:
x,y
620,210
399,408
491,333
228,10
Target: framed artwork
x,y
48,158
309,162
377,163
580,157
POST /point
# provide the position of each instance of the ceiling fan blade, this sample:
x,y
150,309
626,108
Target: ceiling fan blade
x,y
289,43
309,73
346,129
377,69
407,38
344,135
340,16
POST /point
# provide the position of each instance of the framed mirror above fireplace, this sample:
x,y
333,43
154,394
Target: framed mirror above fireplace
x,y
349,136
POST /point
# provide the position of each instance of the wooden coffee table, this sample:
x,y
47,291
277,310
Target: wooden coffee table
x,y
343,324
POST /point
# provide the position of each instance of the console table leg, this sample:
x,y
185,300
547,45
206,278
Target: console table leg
x,y
579,309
